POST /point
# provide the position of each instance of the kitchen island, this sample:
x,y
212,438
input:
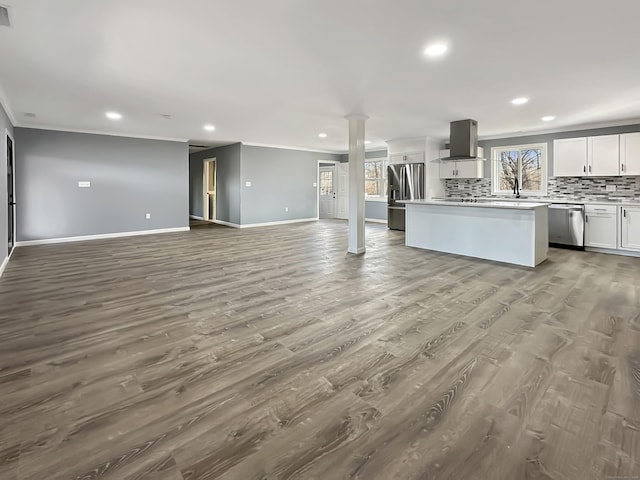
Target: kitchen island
x,y
504,231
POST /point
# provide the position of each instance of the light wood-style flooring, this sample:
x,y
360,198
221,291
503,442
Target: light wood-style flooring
x,y
271,353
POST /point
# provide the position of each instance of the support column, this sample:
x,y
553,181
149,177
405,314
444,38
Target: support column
x,y
356,183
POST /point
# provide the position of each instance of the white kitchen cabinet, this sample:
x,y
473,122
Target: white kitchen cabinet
x,y
409,157
570,157
601,226
630,231
603,155
630,153
462,169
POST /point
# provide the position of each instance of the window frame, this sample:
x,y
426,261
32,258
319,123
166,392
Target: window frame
x,y
495,153
382,181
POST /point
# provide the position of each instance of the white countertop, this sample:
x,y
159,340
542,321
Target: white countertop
x,y
566,200
518,205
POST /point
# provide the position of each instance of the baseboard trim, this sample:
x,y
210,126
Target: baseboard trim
x,y
103,236
5,262
375,220
196,217
266,224
611,251
359,251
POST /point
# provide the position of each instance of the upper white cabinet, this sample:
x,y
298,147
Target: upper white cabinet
x,y
588,156
462,169
630,231
630,153
410,157
570,157
603,155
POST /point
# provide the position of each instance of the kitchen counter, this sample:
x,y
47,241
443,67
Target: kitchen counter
x,y
582,201
511,204
503,231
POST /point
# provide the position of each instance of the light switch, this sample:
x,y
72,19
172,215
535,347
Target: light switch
x,y
315,184
247,184
147,216
84,184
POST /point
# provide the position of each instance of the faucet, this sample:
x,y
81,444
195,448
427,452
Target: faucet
x,y
516,188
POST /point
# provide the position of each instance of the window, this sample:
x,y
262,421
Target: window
x,y
375,178
526,163
326,182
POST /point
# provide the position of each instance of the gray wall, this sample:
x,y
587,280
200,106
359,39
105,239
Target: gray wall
x,y
129,177
5,124
279,178
548,138
228,182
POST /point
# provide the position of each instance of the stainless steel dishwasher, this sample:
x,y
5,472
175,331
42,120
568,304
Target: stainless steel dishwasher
x,y
566,225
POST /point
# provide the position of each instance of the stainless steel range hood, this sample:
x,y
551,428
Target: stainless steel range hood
x,y
463,139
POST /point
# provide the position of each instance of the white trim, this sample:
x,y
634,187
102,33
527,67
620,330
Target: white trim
x,y
227,224
205,184
375,199
4,101
565,129
375,220
358,251
286,147
103,132
281,222
5,262
7,134
102,236
195,217
335,176
544,146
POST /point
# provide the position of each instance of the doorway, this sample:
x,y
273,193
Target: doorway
x,y
11,185
327,191
209,189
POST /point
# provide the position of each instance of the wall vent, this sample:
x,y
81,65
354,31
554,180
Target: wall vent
x,y
4,17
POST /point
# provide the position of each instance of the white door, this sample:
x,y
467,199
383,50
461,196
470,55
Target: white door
x,y
630,228
447,169
630,153
327,193
600,230
570,157
469,168
604,155
342,194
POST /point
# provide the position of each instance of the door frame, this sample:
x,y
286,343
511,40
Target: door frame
x,y
335,164
7,135
206,165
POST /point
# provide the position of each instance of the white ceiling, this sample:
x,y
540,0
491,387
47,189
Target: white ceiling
x,y
279,72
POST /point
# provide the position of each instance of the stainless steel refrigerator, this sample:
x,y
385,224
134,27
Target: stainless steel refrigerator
x,y
406,182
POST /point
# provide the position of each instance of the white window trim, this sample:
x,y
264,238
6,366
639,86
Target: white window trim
x,y
527,193
378,198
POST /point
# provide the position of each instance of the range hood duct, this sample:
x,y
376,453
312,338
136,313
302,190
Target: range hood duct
x,y
463,140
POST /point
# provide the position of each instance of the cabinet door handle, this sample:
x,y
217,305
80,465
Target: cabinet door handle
x,y
624,212
589,168
622,165
586,218
584,168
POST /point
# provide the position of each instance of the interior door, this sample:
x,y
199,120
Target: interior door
x,y
327,192
11,212
342,194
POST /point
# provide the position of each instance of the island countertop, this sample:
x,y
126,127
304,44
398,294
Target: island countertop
x,y
481,204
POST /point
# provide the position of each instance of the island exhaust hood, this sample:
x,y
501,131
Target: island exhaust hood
x,y
463,139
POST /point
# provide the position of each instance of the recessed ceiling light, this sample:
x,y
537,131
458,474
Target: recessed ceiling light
x,y
435,50
166,116
30,114
548,118
322,135
520,100
209,128
367,142
113,115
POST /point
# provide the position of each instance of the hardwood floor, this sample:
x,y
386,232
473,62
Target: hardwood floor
x,y
270,353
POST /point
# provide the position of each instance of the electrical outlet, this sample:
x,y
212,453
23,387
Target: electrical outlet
x,y
247,184
315,184
611,188
286,209
147,216
84,184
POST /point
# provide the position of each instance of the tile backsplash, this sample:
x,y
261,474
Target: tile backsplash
x,y
583,188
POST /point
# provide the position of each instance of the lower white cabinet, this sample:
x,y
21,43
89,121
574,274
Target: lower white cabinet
x,y
630,228
601,226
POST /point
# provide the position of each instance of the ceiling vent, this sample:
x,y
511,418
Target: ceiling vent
x,y
4,17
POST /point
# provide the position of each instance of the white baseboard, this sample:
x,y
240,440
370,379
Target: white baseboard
x,y
611,251
265,224
100,237
375,220
358,251
5,262
196,217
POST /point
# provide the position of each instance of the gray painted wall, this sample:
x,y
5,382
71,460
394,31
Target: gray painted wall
x,y
549,138
228,182
5,124
279,178
129,177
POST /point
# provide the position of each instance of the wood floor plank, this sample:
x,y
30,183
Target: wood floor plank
x,y
271,353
